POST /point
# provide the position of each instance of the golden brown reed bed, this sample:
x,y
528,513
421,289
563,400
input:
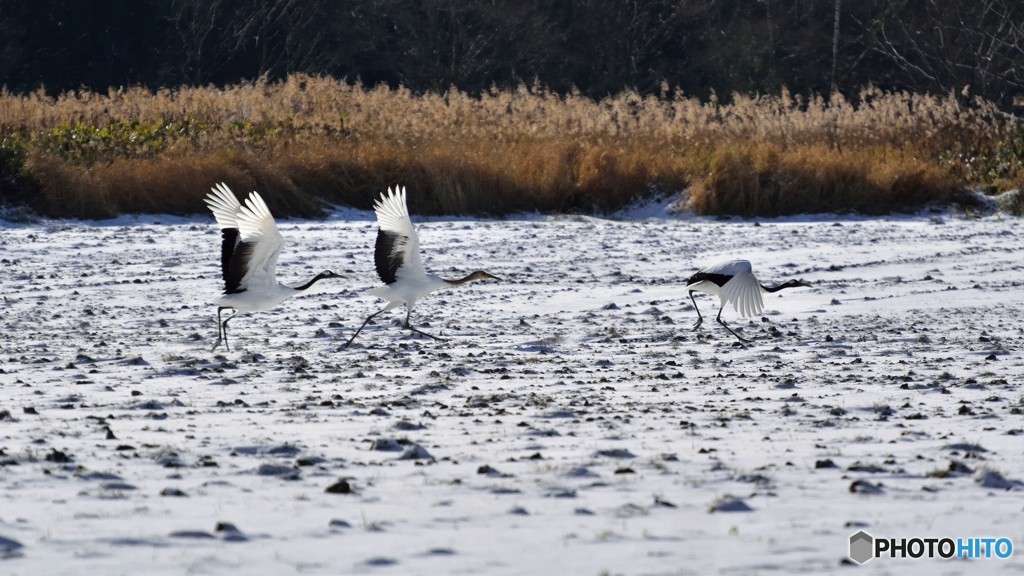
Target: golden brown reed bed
x,y
310,140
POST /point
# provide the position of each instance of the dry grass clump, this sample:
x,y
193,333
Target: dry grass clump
x,y
767,180
166,185
309,140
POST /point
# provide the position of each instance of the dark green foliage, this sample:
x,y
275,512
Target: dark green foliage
x,y
83,144
16,187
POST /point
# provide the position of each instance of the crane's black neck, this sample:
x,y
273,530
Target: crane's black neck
x,y
789,284
460,281
477,275
315,279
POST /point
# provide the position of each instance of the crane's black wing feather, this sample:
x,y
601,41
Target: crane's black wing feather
x,y
234,260
388,254
716,279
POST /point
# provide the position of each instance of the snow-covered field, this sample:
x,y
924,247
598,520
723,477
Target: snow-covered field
x,y
570,423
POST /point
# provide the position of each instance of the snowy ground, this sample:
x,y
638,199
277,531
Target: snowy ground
x,y
571,423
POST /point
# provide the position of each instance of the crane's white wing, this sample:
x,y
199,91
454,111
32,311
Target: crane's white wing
x,y
234,254
397,254
743,290
256,226
729,268
224,205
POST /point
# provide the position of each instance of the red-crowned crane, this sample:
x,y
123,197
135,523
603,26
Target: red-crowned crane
x,y
397,259
734,283
249,251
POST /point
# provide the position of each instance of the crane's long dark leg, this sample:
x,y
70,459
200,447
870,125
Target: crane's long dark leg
x,y
700,319
222,328
416,330
719,319
365,322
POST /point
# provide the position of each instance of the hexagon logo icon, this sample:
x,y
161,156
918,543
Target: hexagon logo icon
x,y
861,547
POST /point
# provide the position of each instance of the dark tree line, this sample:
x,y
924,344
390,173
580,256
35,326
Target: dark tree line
x,y
595,46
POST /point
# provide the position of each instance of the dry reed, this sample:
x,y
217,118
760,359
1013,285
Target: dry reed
x,y
310,140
